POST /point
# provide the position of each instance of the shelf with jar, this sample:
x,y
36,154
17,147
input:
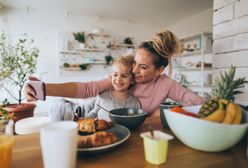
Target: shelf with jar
x,y
82,66
98,49
195,66
86,62
93,42
195,62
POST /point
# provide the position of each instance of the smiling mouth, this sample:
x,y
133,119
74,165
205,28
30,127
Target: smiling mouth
x,y
118,85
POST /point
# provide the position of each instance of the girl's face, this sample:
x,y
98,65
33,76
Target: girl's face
x,y
121,77
143,68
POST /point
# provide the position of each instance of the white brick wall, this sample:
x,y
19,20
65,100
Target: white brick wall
x,y
230,35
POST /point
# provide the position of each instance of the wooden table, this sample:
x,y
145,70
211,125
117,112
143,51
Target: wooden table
x,y
27,154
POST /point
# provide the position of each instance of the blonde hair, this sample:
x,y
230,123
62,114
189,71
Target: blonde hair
x,y
163,46
126,60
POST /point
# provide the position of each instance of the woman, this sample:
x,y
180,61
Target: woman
x,y
152,87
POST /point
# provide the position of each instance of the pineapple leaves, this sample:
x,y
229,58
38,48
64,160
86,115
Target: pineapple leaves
x,y
225,85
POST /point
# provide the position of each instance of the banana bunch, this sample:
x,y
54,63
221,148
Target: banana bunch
x,y
227,113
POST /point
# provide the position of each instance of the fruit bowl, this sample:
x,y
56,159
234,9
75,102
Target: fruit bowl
x,y
205,135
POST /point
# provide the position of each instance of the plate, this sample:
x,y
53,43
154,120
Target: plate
x,y
121,131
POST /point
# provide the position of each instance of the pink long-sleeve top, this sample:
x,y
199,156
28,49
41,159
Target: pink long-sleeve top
x,y
150,94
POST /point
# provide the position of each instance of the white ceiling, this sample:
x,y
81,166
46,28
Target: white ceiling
x,y
161,12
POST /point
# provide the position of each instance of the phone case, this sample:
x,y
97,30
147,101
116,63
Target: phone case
x,y
39,89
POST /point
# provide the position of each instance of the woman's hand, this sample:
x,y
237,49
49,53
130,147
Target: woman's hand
x,y
34,89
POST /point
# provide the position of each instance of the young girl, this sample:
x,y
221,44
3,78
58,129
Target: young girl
x,y
119,96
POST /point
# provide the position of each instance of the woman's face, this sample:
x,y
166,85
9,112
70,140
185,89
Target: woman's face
x,y
143,68
121,77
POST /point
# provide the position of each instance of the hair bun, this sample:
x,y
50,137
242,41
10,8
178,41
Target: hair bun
x,y
166,43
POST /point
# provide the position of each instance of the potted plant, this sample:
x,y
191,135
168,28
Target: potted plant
x,y
108,59
80,37
17,63
129,43
83,66
4,115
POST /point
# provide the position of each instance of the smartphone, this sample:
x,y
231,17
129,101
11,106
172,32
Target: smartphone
x,y
39,89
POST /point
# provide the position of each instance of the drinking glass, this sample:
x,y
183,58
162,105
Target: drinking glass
x,y
6,143
59,144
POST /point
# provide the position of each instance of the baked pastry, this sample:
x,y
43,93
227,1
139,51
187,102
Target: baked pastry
x,y
97,139
91,125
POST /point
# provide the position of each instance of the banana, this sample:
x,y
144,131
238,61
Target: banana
x,y
218,115
224,101
230,113
238,115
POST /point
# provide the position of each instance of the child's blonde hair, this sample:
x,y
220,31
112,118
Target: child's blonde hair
x,y
126,60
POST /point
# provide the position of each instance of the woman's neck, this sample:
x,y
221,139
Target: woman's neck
x,y
120,95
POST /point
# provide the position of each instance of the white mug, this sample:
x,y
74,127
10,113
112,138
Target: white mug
x,y
59,144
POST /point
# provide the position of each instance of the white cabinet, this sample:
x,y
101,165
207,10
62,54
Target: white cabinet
x,y
193,68
74,60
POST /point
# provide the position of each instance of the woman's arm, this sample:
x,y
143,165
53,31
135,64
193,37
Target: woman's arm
x,y
61,89
70,89
183,95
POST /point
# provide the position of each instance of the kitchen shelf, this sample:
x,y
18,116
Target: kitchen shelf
x,y
82,51
197,52
191,53
193,69
98,35
197,36
72,69
198,86
97,47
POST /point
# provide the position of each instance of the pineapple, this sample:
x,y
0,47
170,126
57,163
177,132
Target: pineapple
x,y
208,107
226,88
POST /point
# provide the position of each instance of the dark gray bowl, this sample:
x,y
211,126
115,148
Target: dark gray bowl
x,y
129,117
166,105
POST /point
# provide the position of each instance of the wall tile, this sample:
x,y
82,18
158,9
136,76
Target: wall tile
x,y
222,3
241,59
224,29
241,41
223,45
223,60
240,8
223,14
241,24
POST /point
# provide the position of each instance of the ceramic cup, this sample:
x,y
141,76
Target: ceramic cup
x,y
6,143
59,144
156,146
166,105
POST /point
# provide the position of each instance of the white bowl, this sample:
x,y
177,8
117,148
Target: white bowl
x,y
205,135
